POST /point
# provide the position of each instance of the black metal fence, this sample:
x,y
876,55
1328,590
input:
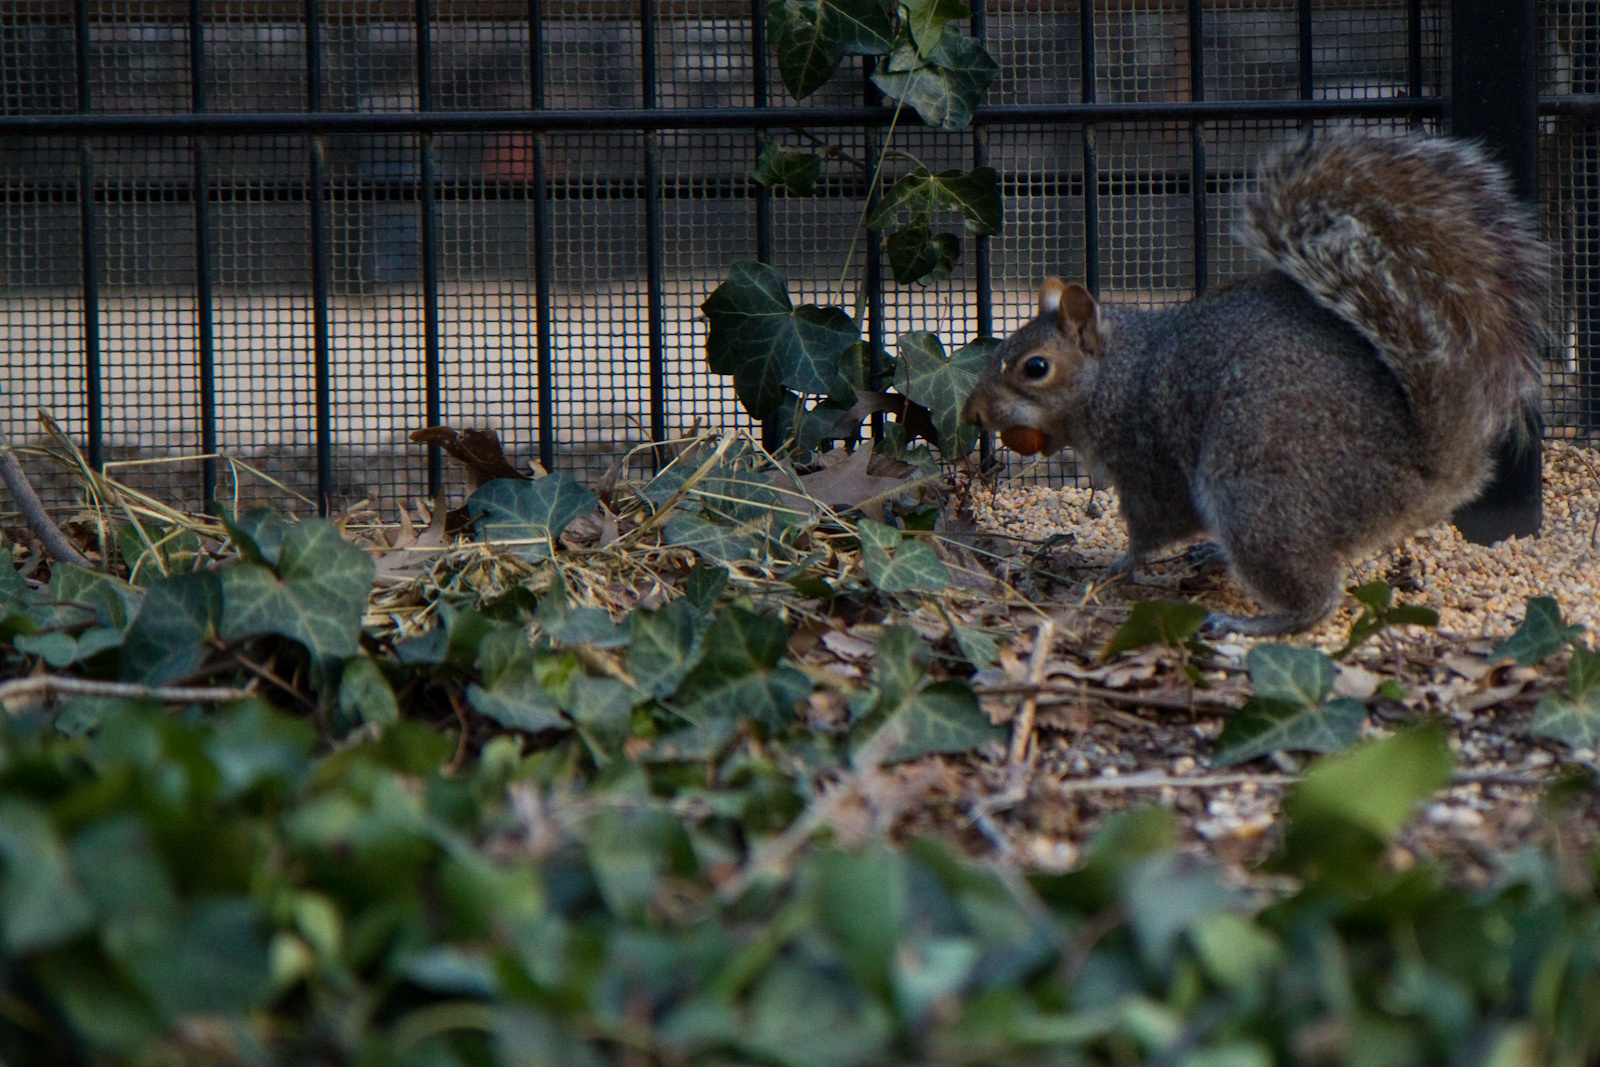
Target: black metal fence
x,y
291,231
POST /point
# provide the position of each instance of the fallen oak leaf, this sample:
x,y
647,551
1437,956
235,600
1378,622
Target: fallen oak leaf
x,y
846,485
409,556
477,450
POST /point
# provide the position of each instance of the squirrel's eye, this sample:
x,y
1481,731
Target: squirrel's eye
x,y
1036,367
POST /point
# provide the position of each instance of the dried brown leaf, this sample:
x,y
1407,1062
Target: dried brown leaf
x,y
477,450
846,484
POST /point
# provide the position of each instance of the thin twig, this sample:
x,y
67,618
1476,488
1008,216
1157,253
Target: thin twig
x,y
460,758
1136,699
1022,725
1163,780
866,210
40,685
32,508
267,675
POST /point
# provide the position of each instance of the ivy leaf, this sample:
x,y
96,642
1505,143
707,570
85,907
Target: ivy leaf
x,y
665,646
1164,896
751,500
176,549
535,512
317,596
1376,785
1573,717
1541,634
811,36
896,566
259,533
920,257
365,694
975,194
1266,725
807,52
704,585
977,647
794,170
61,650
944,86
14,590
168,639
41,903
1156,622
1300,676
741,673
602,709
694,743
862,904
254,744
212,961
518,704
1287,713
705,538
926,20
1378,611
84,596
942,384
766,343
925,718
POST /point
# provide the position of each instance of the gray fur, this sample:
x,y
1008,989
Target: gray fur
x,y
1320,409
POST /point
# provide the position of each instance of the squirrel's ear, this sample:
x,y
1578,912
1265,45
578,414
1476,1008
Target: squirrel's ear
x,y
1078,308
1050,295
1078,313
1074,309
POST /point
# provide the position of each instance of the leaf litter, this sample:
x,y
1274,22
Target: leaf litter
x,y
934,671
1126,711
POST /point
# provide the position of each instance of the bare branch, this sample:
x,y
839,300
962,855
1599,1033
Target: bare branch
x,y
21,689
32,508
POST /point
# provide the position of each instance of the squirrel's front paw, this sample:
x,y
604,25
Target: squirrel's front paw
x,y
1124,566
1207,557
1268,625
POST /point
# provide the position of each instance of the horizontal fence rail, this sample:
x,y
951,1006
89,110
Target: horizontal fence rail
x,y
102,125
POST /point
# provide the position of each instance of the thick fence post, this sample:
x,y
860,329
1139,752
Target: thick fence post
x,y
1494,99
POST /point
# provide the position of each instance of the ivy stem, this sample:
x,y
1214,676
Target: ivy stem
x,y
866,209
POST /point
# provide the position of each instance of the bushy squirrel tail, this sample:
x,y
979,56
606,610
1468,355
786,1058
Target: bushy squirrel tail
x,y
1421,246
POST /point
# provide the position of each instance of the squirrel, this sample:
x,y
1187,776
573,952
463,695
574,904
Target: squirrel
x,y
1343,397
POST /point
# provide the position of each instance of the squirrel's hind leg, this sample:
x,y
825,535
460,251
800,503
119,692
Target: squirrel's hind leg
x,y
1300,582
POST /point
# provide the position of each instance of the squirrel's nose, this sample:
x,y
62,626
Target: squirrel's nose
x,y
972,410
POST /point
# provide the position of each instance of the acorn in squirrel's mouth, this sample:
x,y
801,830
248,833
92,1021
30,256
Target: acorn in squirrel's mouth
x,y
1025,439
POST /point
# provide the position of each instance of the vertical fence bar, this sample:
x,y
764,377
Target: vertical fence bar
x,y
89,246
1494,98
429,207
762,195
984,283
320,267
543,265
873,257
1197,149
1303,17
205,333
655,245
1091,155
758,68
1414,50
984,268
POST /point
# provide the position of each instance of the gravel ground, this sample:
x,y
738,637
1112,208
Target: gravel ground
x,y
1095,757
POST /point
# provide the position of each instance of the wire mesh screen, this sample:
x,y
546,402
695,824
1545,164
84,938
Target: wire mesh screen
x,y
1570,166
299,301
